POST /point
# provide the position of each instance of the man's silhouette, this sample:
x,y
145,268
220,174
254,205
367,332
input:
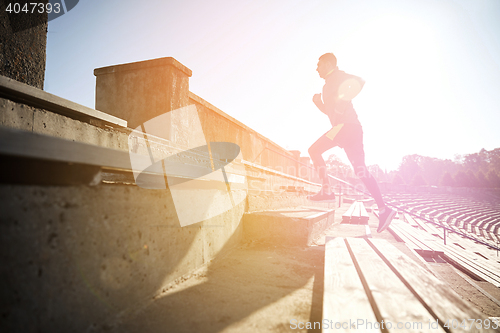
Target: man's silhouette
x,y
339,89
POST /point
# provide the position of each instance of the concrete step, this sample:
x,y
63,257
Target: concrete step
x,y
271,201
350,230
298,226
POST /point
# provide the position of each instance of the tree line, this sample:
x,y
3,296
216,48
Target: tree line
x,y
480,169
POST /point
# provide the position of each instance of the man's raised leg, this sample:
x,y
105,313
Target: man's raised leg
x,y
386,214
315,152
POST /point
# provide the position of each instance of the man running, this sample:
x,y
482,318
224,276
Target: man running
x,y
339,89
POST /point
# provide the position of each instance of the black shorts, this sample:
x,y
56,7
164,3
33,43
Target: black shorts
x,y
350,138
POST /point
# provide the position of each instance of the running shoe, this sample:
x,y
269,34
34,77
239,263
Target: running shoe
x,y
385,219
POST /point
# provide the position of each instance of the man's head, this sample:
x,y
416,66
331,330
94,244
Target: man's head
x,y
327,63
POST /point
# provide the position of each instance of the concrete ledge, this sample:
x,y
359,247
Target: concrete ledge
x,y
198,100
29,145
255,148
24,147
278,173
161,62
20,116
23,93
299,226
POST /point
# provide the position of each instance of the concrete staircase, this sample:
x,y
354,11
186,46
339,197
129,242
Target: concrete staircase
x,y
296,226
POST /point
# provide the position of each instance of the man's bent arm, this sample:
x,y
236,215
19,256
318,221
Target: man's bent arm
x,y
319,103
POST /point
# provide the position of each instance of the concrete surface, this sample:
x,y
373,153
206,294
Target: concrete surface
x,y
143,90
264,287
22,117
75,256
23,40
32,96
296,226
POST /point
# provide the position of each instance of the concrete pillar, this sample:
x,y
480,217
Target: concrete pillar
x,y
139,91
23,41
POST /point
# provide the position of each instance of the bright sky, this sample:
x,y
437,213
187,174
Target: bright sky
x,y
432,67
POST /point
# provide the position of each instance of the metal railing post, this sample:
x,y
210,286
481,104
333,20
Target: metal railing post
x,y
340,195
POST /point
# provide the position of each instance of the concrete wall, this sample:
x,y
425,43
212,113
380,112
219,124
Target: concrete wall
x,y
141,91
23,40
219,126
79,258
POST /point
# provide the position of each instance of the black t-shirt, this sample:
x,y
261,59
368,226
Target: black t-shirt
x,y
340,111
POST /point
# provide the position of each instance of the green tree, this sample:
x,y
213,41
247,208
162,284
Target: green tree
x,y
397,179
461,179
494,160
418,180
377,172
481,179
476,161
493,179
409,167
473,182
447,180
